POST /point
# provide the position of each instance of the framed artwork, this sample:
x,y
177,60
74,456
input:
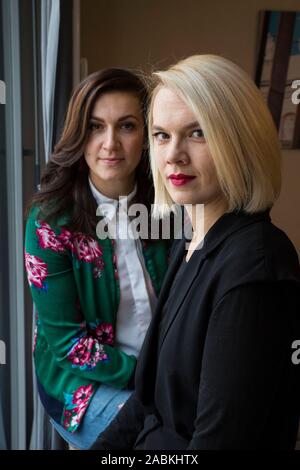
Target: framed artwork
x,y
278,72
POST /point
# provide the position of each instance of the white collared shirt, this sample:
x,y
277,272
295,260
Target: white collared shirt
x,y
137,296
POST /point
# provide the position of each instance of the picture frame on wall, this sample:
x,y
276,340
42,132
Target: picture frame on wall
x,y
278,68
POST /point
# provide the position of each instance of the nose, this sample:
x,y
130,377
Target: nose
x,y
176,153
111,140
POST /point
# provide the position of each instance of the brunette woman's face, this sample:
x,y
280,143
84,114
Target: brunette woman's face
x,y
115,144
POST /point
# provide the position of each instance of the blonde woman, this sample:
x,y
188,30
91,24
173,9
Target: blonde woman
x,y
216,369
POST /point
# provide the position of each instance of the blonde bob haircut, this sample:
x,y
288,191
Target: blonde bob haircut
x,y
237,126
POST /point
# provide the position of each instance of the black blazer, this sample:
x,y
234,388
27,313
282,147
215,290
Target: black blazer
x,y
217,373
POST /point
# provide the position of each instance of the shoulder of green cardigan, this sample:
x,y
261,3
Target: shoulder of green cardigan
x,y
37,214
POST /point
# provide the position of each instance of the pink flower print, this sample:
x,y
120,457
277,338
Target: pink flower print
x,y
86,353
36,270
67,239
67,419
75,407
82,395
105,333
47,238
80,353
86,248
78,412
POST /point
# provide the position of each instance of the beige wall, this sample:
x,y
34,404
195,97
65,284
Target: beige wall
x,y
150,34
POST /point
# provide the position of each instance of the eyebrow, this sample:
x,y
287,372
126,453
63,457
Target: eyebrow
x,y
122,118
187,127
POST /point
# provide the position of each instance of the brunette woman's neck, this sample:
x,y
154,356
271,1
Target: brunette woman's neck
x,y
114,189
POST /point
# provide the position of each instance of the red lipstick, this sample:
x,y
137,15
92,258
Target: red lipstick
x,y
180,179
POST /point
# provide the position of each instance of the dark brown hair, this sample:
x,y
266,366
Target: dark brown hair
x,y
64,183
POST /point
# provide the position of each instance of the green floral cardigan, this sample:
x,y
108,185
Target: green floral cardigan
x,y
75,288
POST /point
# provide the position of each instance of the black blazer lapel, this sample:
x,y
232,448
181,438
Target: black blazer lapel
x,y
147,363
191,270
175,261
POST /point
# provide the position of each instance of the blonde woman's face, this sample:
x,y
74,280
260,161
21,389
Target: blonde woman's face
x,y
181,152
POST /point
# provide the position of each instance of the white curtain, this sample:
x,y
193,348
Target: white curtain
x,y
43,435
50,20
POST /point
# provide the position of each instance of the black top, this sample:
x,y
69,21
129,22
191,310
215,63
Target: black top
x,y
215,370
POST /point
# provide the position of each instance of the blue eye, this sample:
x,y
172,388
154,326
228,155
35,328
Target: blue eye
x,y
160,136
198,133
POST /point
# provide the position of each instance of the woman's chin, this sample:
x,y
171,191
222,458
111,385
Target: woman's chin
x,y
183,199
110,174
